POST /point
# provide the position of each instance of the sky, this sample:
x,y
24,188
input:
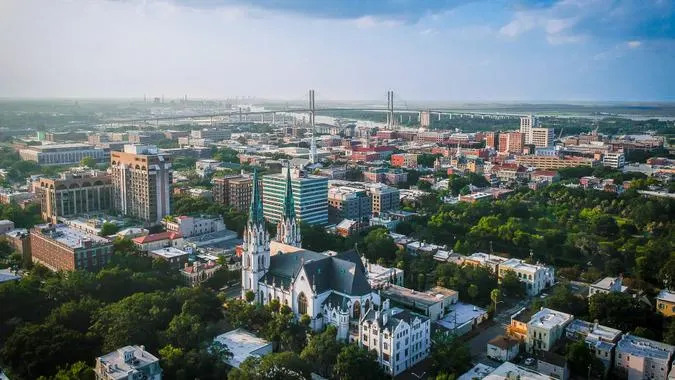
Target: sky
x,y
423,50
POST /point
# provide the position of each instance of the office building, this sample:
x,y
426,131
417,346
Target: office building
x,y
615,160
73,193
541,137
310,196
638,358
233,191
64,248
214,134
601,340
526,124
128,363
62,154
59,137
554,162
536,277
141,182
383,198
425,119
399,338
349,203
545,328
511,142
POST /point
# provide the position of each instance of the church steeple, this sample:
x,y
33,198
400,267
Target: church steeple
x,y
288,229
256,245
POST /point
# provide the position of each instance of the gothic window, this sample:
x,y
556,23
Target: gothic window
x,y
262,297
366,305
302,304
357,310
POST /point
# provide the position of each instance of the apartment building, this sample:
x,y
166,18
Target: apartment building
x,y
511,142
383,198
59,247
128,363
526,124
233,191
638,358
404,160
601,340
310,195
189,226
399,337
62,154
73,193
492,140
541,137
545,328
536,277
346,202
141,179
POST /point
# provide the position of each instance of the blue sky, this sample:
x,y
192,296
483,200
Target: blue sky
x,y
453,50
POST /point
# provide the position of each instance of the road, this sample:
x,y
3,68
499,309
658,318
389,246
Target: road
x,y
233,292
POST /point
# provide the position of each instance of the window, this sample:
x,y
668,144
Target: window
x,y
385,345
357,310
302,304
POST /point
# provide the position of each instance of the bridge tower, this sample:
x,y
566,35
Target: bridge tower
x,y
312,110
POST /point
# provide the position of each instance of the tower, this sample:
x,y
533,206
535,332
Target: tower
x,y
312,148
288,229
256,246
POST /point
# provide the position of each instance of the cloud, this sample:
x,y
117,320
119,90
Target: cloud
x,y
572,21
634,44
403,11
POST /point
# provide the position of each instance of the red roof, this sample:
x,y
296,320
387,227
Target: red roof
x,y
168,235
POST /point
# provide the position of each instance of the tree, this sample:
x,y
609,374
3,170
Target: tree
x,y
449,354
108,229
473,291
250,296
379,244
77,371
511,285
277,366
580,358
322,351
88,162
355,362
494,296
623,312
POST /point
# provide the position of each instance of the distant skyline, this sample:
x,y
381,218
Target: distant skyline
x,y
445,50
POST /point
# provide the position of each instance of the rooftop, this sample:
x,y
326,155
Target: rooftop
x,y
71,237
606,283
241,344
127,360
461,314
408,296
633,345
593,331
666,295
167,235
169,252
479,371
503,342
509,370
520,265
547,318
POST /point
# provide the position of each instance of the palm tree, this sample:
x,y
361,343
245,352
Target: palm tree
x,y
494,296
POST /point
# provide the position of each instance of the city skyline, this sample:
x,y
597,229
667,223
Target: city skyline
x,y
474,51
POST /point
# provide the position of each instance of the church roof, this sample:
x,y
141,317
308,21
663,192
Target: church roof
x,y
395,317
343,272
289,205
336,300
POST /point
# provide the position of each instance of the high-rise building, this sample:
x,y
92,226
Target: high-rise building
x,y
492,140
511,142
310,194
383,198
234,191
349,203
62,154
64,248
141,179
74,192
541,137
526,124
425,119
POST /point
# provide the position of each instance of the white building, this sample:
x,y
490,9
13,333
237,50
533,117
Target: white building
x,y
503,348
433,303
399,337
6,226
128,363
189,226
379,275
204,167
541,137
510,371
607,285
536,277
639,358
526,124
243,344
545,328
62,154
614,160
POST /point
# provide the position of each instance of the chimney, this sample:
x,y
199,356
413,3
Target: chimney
x,y
595,324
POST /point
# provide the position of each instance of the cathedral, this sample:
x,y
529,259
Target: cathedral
x,y
330,288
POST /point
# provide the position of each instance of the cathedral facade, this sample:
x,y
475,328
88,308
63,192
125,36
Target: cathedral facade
x,y
330,288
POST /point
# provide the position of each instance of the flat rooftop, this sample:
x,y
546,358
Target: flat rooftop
x,y
407,296
593,331
118,368
71,237
169,252
637,346
478,371
547,318
241,344
666,295
606,283
509,370
460,314
519,265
